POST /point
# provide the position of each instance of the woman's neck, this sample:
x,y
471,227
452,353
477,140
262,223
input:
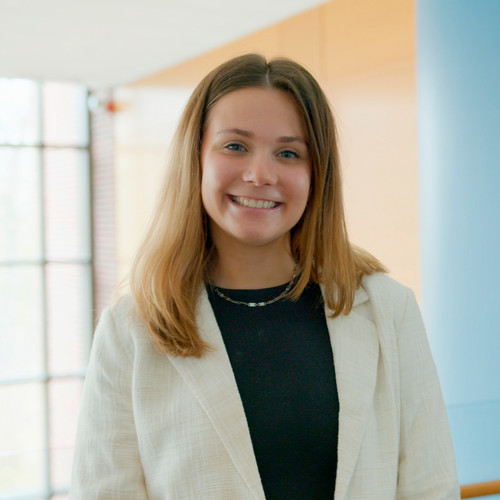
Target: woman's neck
x,y
252,268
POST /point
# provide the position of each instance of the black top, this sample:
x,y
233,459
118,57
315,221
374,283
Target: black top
x,y
283,365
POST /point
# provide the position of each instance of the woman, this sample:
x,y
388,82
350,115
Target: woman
x,y
260,354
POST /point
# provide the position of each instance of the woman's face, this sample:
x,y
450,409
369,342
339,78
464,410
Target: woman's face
x,y
256,169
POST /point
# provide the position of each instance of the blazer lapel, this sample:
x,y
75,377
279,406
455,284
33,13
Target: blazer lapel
x,y
355,353
211,380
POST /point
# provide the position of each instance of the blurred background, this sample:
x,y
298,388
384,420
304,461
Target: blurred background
x,y
90,95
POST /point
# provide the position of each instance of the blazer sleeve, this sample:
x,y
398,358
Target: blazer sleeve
x,y
426,460
106,461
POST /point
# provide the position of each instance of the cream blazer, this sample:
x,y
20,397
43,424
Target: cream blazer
x,y
165,427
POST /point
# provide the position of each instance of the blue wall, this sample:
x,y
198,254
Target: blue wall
x,y
458,68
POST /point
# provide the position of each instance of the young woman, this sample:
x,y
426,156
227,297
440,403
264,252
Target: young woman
x,y
260,355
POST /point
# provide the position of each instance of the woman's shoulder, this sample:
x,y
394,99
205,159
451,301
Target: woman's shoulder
x,y
121,309
121,322
386,294
381,283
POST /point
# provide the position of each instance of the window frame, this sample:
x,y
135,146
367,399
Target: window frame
x,y
42,263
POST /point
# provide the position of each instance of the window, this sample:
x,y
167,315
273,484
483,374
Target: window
x,y
46,297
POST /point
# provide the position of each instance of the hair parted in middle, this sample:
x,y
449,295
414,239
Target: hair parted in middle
x,y
173,260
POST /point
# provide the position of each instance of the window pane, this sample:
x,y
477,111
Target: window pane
x,y
69,317
65,115
22,475
19,112
65,396
20,219
21,322
66,173
22,441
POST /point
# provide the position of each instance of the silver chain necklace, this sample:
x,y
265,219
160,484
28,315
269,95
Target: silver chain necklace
x,y
258,304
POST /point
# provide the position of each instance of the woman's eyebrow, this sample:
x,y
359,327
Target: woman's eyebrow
x,y
239,131
247,133
292,139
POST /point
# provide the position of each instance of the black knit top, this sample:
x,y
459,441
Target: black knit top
x,y
282,361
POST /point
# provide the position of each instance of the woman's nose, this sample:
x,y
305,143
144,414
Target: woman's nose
x,y
260,171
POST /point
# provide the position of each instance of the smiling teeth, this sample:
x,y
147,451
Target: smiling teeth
x,y
246,202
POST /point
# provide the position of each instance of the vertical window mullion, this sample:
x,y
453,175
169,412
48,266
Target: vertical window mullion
x,y
90,215
46,415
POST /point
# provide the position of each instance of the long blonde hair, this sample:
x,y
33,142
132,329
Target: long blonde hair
x,y
171,264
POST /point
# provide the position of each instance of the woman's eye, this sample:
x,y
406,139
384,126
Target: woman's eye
x,y
234,147
288,155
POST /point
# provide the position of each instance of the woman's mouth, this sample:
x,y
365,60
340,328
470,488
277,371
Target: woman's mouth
x,y
253,203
